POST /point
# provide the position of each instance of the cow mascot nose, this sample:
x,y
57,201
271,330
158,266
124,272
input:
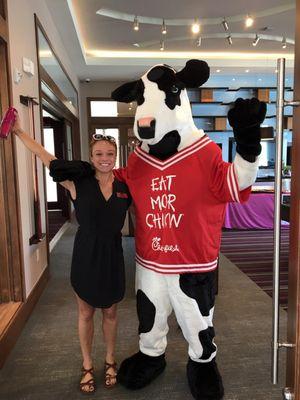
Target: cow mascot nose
x,y
146,128
180,187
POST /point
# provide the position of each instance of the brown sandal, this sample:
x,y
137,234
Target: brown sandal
x,y
90,383
110,379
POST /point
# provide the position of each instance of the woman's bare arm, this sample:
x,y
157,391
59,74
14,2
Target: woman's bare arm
x,y
41,153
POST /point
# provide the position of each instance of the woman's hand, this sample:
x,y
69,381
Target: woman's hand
x,y
16,128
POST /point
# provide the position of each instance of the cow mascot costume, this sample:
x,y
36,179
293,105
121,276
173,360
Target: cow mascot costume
x,y
180,186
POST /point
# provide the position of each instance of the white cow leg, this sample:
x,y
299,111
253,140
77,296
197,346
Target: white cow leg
x,y
154,308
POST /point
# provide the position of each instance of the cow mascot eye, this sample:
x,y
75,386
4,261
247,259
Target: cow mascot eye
x,y
174,89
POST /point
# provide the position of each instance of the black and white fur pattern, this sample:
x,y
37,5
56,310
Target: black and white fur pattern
x,y
164,124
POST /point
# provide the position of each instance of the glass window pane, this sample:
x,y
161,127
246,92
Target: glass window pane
x,y
109,108
50,63
49,146
104,108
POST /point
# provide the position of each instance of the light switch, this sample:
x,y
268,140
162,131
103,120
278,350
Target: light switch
x,y
28,66
17,75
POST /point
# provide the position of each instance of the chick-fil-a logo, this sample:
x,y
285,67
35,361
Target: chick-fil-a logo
x,y
157,246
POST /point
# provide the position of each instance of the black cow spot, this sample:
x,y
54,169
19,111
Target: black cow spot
x,y
130,91
200,287
146,312
167,82
206,339
140,88
166,147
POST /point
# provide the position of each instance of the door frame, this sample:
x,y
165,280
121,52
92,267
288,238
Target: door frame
x,y
11,251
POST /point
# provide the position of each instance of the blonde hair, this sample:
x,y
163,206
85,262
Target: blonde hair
x,y
94,141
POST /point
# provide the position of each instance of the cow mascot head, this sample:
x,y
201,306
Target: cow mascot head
x,y
163,120
180,186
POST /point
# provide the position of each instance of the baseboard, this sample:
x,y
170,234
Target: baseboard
x,y
58,235
14,329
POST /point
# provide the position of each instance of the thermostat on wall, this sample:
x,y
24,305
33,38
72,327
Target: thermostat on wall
x,y
28,66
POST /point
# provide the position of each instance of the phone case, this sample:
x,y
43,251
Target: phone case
x,y
7,122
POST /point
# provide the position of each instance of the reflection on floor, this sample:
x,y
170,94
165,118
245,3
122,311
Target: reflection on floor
x,y
45,363
252,251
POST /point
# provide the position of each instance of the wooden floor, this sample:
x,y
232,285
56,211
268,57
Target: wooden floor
x,y
7,311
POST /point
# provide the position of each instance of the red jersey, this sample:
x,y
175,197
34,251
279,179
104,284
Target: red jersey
x,y
180,205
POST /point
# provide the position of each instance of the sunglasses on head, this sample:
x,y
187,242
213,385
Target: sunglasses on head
x,y
99,136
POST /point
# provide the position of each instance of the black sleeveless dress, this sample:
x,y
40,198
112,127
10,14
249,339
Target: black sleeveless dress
x,y
97,271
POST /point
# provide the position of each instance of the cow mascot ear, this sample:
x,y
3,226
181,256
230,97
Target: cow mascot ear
x,y
194,74
131,91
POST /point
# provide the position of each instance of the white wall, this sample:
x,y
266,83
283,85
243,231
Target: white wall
x,y
23,44
91,89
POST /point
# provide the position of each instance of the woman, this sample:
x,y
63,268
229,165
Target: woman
x,y
97,271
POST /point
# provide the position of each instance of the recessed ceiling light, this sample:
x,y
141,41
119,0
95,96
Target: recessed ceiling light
x,y
233,79
225,25
136,45
164,28
247,70
249,21
259,79
283,43
256,40
136,24
196,26
229,39
218,70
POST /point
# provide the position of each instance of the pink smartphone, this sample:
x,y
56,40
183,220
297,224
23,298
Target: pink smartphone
x,y
7,122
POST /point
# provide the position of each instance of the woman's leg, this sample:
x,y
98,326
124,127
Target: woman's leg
x,y
109,327
86,333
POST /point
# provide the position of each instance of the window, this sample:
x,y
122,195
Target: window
x,y
103,108
49,146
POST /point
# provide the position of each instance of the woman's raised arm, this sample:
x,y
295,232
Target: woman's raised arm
x,y
40,152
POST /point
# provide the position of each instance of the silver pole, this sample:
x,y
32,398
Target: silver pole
x,y
277,218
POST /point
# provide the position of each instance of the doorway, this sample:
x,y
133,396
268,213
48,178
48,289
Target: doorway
x,y
57,139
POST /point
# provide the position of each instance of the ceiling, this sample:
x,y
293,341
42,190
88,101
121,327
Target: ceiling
x,y
102,47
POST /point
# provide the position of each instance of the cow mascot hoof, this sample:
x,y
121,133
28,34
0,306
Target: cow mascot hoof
x,y
139,370
204,380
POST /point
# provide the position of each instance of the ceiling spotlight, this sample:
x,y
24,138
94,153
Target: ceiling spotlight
x,y
218,70
136,44
162,45
199,41
229,38
249,21
247,70
136,24
283,43
164,28
196,26
256,40
225,25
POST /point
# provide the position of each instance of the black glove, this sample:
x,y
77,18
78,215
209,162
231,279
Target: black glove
x,y
245,118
